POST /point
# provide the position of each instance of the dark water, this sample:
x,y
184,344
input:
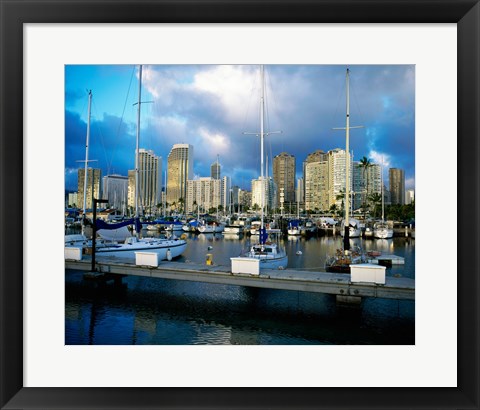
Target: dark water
x,y
168,312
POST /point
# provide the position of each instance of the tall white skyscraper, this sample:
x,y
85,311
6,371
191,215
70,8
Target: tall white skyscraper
x,y
203,194
115,190
337,176
269,192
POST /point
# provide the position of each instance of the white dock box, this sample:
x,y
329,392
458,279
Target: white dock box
x,y
146,259
73,253
367,272
246,265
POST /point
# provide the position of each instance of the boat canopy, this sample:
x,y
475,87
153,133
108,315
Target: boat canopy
x,y
101,224
294,223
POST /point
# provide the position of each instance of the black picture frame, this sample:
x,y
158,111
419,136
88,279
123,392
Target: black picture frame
x,y
466,13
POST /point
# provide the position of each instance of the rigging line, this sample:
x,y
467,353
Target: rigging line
x,y
352,88
99,130
249,102
120,123
337,107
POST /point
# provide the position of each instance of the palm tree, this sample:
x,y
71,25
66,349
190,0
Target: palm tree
x,y
375,198
365,163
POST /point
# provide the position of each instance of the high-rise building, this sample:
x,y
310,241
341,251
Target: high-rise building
x,y
72,199
284,176
215,170
244,199
409,197
397,186
225,192
316,156
366,181
203,193
149,181
316,186
180,170
269,192
115,190
235,198
93,186
131,190
337,177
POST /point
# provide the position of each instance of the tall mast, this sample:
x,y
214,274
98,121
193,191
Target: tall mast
x,y
347,163
85,177
381,170
262,74
347,154
137,188
262,135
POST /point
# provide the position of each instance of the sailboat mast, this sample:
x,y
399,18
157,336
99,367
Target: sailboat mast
x,y
347,154
138,139
85,177
261,140
381,169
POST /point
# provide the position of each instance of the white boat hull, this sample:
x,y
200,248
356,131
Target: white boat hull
x,y
210,229
383,233
267,262
235,229
176,247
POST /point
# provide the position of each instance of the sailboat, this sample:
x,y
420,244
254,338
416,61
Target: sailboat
x,y
166,248
270,255
382,230
343,258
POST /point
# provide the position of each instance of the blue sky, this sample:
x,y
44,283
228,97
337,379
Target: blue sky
x,y
211,106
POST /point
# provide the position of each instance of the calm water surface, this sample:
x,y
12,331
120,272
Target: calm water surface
x,y
169,312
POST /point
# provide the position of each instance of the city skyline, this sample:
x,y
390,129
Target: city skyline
x,y
210,107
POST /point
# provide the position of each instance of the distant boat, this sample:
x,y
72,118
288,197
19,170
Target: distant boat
x,y
354,228
210,227
382,230
368,230
294,227
233,229
173,226
341,261
255,227
190,226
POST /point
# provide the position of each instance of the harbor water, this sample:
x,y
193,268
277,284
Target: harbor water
x,y
149,311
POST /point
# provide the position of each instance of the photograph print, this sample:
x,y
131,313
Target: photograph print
x,y
239,204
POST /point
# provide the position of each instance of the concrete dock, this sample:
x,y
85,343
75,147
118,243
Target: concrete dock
x,y
288,279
